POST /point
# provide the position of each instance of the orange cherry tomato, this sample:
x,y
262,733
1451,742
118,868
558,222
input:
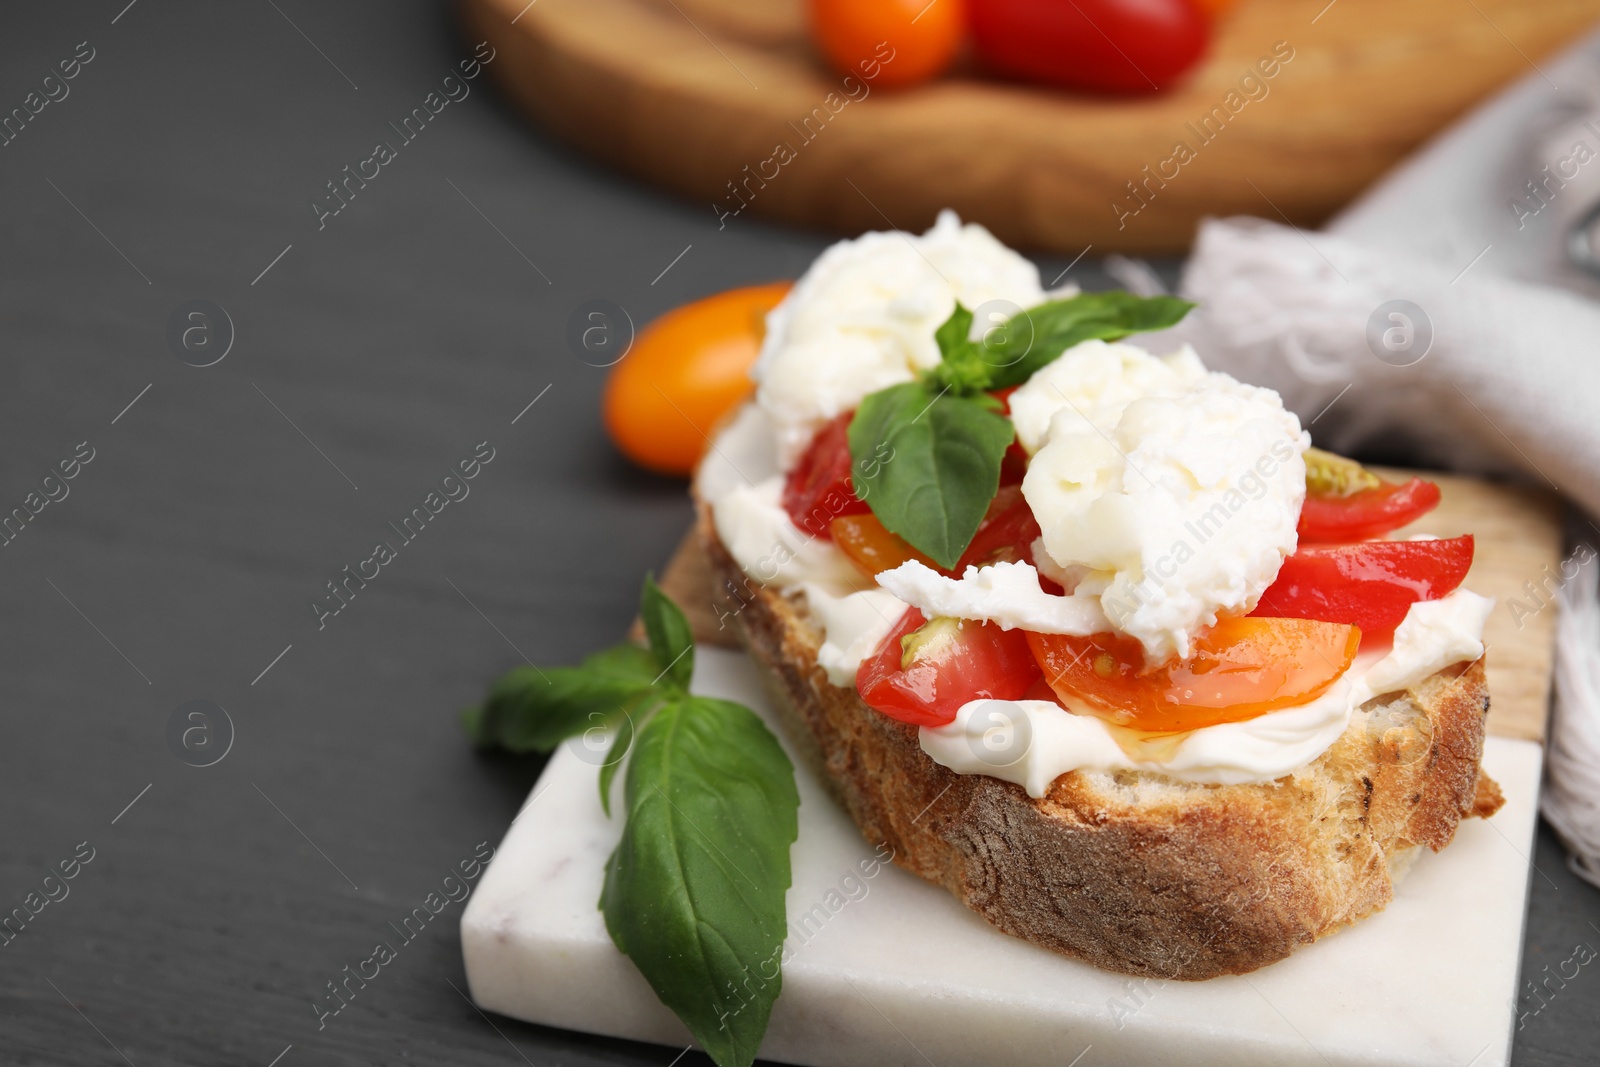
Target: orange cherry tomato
x,y
889,43
685,371
1240,668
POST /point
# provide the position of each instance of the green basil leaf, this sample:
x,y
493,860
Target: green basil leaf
x,y
1035,337
533,710
694,893
964,367
670,637
942,472
952,334
614,757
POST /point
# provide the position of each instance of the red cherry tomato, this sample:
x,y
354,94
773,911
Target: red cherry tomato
x,y
1119,46
1369,513
924,671
818,490
1239,669
889,42
1371,584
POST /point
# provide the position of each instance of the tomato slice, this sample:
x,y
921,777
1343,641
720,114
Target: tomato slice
x,y
1369,513
1240,668
818,489
924,671
1006,534
1014,464
873,548
1371,584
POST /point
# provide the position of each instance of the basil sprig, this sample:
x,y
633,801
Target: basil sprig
x,y
944,435
694,892
1036,337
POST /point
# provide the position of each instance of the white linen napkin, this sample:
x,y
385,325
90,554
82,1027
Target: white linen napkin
x,y
1438,321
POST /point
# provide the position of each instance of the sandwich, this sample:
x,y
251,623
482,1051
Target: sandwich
x,y
1089,635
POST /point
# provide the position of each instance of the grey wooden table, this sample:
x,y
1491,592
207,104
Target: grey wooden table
x,y
364,354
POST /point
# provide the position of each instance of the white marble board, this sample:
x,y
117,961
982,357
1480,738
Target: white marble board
x,y
903,974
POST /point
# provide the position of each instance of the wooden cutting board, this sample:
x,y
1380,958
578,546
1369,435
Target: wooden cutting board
x,y
689,93
1518,534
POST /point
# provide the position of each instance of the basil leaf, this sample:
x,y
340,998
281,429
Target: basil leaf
x,y
694,893
952,334
943,471
529,710
670,637
614,757
1035,337
964,367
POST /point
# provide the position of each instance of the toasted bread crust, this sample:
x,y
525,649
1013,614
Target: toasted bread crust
x,y
1135,872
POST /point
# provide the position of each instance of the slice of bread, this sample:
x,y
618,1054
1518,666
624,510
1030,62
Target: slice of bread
x,y
1131,871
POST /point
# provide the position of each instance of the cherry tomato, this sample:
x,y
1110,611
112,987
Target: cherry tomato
x,y
1215,9
1119,46
1369,513
1371,584
889,43
924,671
818,489
685,371
1239,669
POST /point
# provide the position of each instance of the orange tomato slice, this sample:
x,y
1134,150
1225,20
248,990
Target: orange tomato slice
x,y
1239,669
685,371
870,546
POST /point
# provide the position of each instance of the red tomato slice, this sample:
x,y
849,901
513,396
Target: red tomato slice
x,y
1015,462
1369,513
924,671
1121,46
1239,669
1371,584
818,490
1007,533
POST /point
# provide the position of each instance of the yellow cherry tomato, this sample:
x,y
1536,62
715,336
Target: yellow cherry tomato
x,y
889,43
685,371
